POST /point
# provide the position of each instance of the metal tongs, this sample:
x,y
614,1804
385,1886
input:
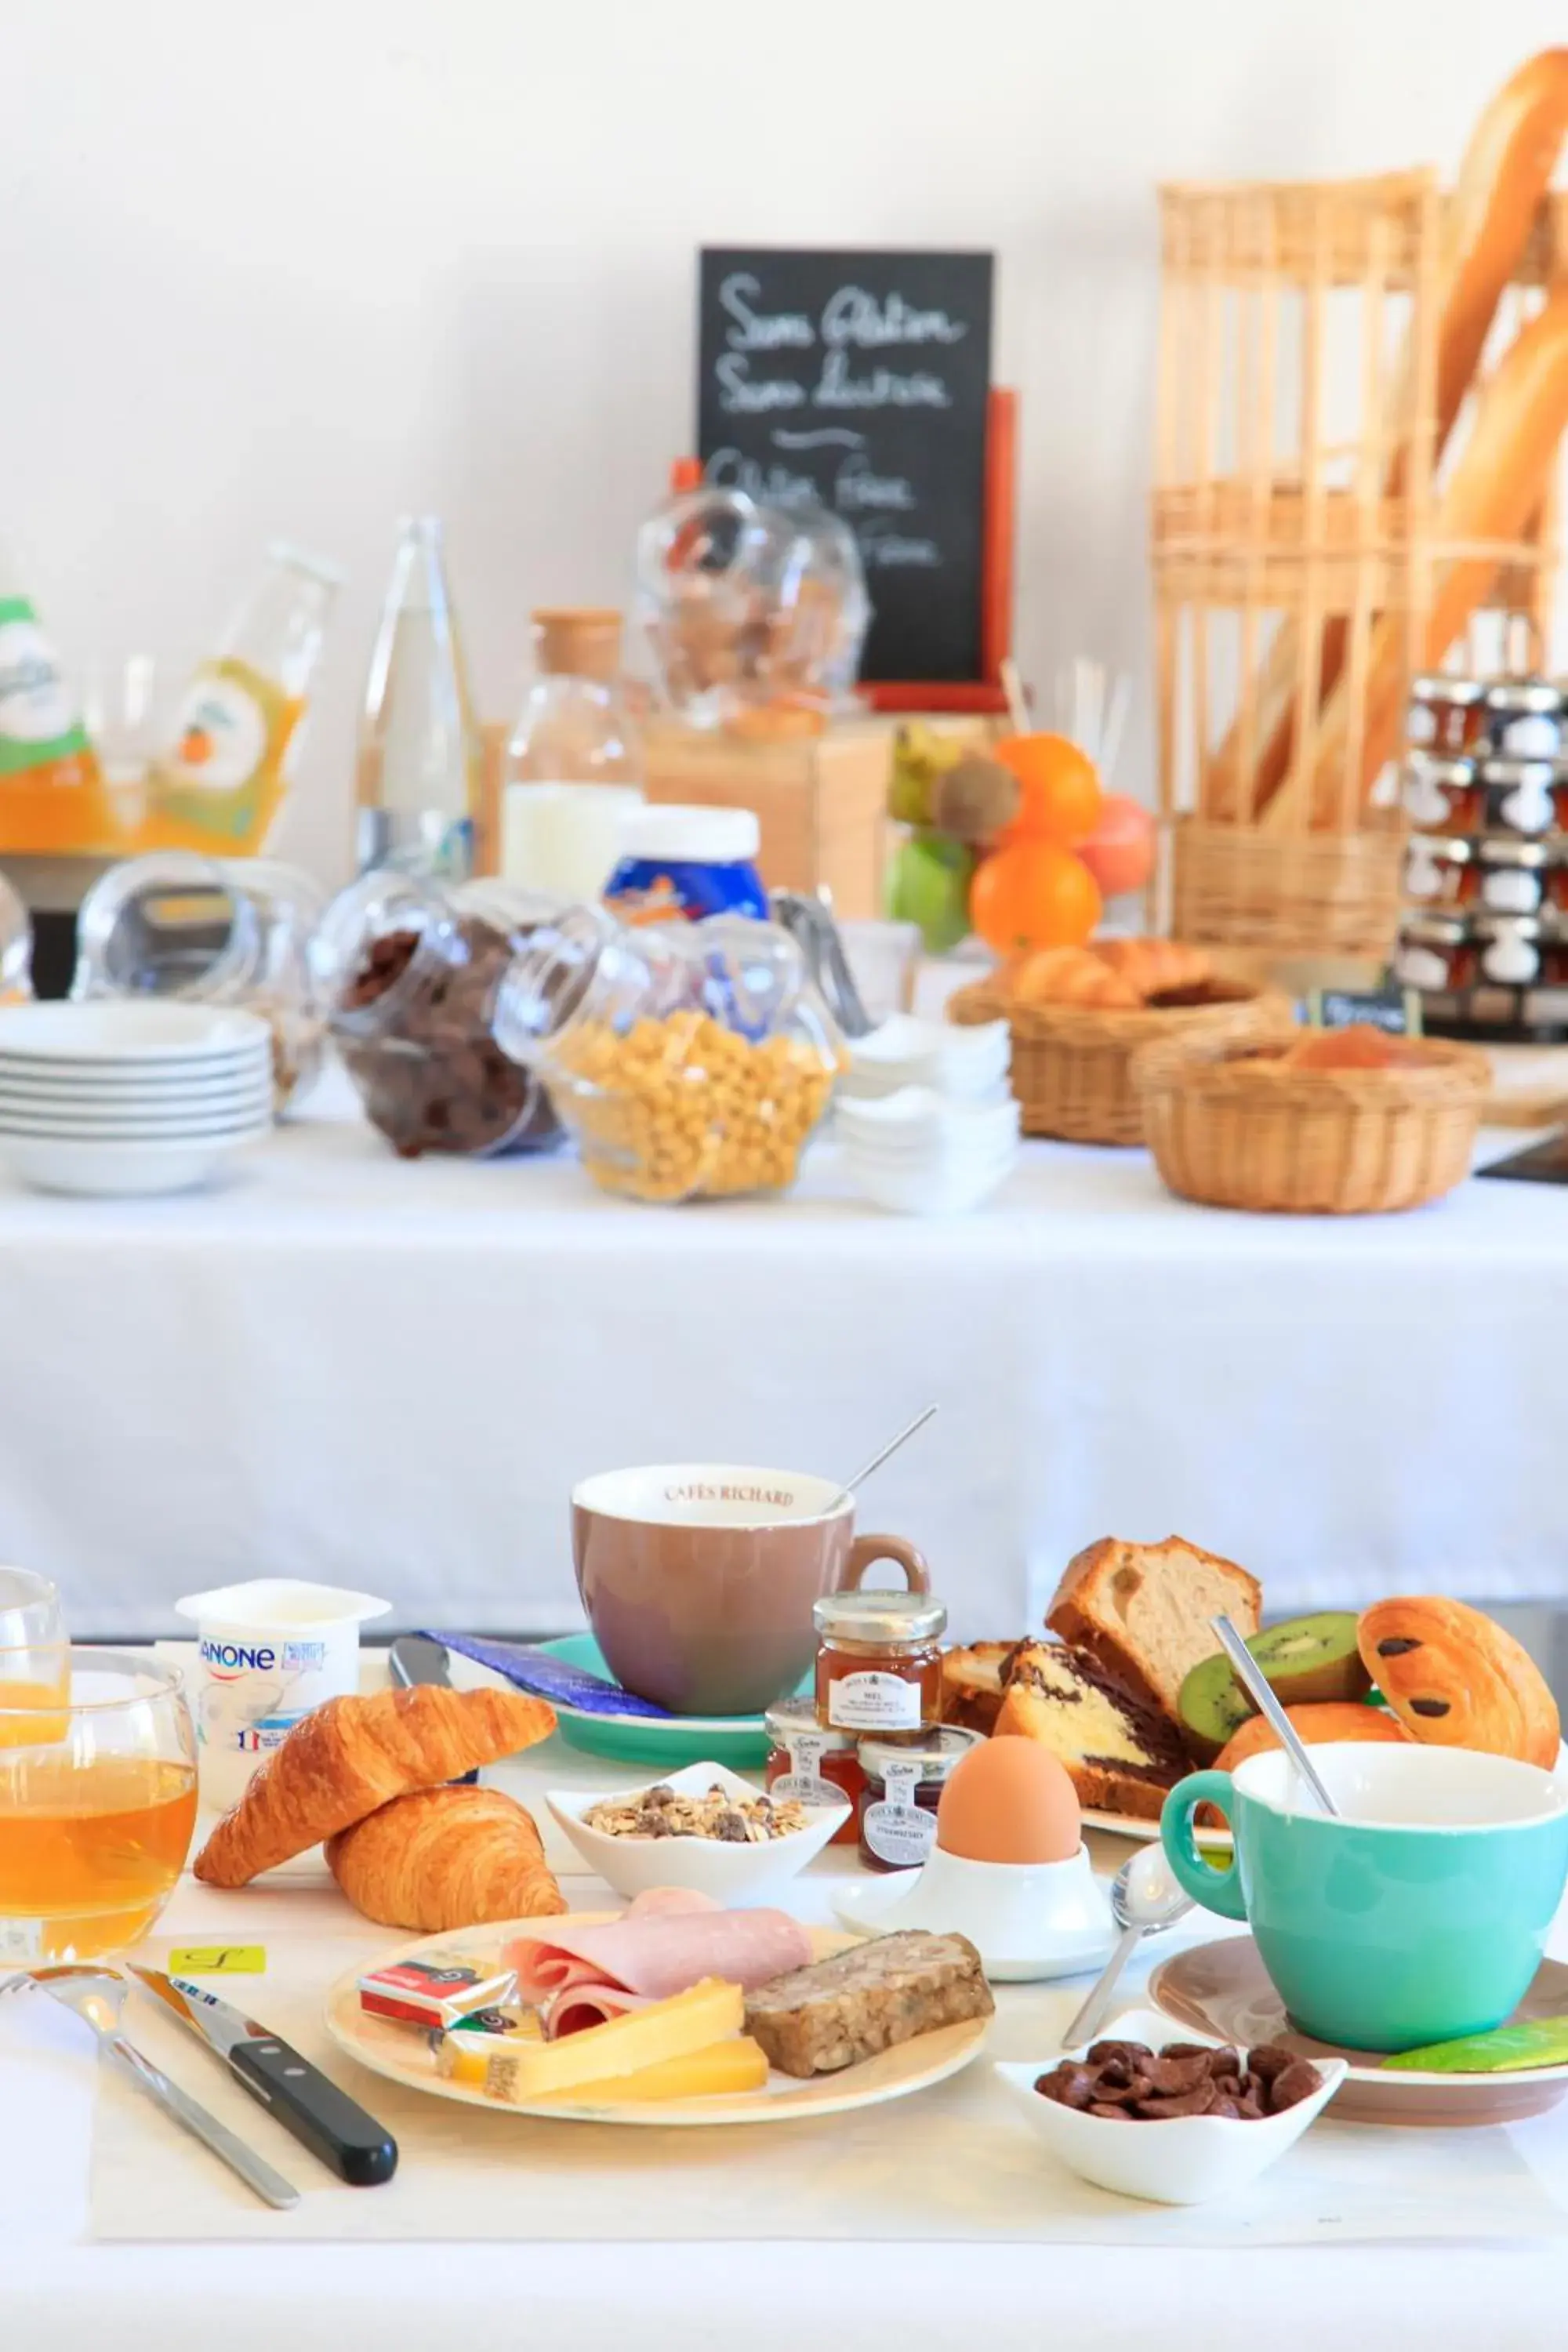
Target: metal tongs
x,y
810,923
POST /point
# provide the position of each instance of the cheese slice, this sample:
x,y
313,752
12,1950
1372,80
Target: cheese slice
x,y
723,2068
664,2031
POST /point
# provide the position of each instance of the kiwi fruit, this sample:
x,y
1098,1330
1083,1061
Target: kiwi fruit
x,y
1305,1659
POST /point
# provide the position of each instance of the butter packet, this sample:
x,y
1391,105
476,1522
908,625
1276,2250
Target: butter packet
x,y
464,2051
1506,2050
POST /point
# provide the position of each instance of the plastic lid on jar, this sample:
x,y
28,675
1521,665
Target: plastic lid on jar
x,y
1442,685
692,836
1517,695
788,1717
875,1617
934,1749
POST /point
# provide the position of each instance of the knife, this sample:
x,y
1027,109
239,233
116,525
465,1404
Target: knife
x,y
305,2101
416,1658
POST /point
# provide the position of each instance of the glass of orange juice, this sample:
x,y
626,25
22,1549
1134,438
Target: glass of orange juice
x,y
33,1649
97,1801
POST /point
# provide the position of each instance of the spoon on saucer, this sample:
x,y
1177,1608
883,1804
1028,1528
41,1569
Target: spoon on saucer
x,y
1144,1897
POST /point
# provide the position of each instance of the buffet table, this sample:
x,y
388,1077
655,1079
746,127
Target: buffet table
x,y
387,1375
65,2281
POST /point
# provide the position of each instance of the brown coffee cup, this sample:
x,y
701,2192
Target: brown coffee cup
x,y
699,1578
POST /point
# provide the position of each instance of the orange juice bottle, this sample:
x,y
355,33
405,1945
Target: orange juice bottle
x,y
51,794
222,778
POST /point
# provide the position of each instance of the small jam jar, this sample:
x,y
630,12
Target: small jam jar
x,y
1447,714
879,1666
1503,876
1520,796
1524,718
904,1781
813,1766
1456,952
1443,795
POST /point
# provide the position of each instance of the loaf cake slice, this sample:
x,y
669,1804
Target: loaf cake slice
x,y
820,2020
1120,1758
972,1684
1142,1611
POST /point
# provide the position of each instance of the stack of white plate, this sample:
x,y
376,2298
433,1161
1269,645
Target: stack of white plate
x,y
927,1154
967,1064
130,1098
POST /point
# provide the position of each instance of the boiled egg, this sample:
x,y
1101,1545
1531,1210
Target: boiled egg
x,y
1010,1801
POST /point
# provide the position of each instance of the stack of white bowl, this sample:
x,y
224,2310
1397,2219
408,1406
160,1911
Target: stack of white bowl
x,y
962,1064
130,1098
928,1154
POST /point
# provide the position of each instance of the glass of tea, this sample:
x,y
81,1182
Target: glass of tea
x,y
34,1653
97,1801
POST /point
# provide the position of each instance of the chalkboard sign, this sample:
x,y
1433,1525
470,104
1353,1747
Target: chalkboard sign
x,y
1396,1010
860,380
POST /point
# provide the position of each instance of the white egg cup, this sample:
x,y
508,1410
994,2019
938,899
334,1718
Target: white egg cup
x,y
1028,1920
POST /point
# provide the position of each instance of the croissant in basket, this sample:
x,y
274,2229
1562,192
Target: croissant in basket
x,y
1117,975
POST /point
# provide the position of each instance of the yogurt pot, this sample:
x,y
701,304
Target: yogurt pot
x,y
268,1651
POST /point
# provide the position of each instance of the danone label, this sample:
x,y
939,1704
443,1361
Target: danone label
x,y
39,723
221,779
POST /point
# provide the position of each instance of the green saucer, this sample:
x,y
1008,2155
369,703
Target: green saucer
x,y
739,1741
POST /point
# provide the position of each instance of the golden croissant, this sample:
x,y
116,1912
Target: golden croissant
x,y
344,1759
445,1858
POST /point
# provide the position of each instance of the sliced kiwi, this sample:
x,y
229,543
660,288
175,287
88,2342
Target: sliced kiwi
x,y
1305,1659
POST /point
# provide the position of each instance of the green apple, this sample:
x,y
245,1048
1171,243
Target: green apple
x,y
928,886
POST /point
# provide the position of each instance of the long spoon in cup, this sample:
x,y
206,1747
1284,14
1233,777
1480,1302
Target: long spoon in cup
x,y
1260,1690
876,1460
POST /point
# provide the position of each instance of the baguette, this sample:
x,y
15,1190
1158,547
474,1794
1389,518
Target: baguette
x,y
1487,224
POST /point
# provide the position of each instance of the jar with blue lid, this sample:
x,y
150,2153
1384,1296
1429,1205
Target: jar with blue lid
x,y
683,863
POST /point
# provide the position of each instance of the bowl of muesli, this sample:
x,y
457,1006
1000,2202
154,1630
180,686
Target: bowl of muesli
x,y
704,1829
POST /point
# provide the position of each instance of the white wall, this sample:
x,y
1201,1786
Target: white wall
x,y
292,266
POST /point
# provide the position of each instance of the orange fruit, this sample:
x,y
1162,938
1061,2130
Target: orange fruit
x,y
1061,798
1033,893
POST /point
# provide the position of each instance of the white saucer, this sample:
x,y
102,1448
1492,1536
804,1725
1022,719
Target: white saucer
x,y
987,1902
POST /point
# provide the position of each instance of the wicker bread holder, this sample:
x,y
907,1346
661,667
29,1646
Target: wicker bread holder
x,y
1072,1063
1236,1130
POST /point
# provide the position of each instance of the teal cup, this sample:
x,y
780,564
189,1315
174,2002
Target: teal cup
x,y
1420,1914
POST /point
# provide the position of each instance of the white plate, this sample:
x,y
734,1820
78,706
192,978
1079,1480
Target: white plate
x,y
122,1032
112,1081
134,1126
403,2055
111,1170
735,1875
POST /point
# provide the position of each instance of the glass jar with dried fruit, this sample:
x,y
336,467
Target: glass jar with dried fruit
x,y
413,971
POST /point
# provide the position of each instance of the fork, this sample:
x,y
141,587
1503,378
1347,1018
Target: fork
x,y
98,1996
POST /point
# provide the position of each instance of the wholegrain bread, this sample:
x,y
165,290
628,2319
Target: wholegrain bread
x,y
1142,1611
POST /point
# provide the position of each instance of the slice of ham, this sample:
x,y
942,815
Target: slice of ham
x,y
648,1955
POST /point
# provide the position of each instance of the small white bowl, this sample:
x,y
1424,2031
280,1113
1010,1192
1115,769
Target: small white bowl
x,y
929,1192
735,1875
1186,2161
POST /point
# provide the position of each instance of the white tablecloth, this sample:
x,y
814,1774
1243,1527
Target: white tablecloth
x,y
59,2293
388,1375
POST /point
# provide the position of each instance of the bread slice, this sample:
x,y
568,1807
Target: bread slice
x,y
1120,1758
972,1684
1142,1611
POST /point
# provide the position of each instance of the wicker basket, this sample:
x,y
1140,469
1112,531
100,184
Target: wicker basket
x,y
1237,1131
1072,1062
1317,894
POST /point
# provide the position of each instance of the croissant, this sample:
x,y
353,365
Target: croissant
x,y
445,1858
1150,966
1455,1679
346,1758
1070,976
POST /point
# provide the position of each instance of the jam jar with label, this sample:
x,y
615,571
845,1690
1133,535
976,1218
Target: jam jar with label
x,y
904,1781
1519,796
1524,718
812,1765
1447,714
1503,876
1456,952
1443,795
879,1666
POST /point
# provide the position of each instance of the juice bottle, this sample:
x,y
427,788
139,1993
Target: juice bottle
x,y
51,794
419,754
221,780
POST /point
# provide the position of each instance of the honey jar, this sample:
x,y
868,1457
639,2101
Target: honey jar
x,y
878,1663
1447,714
1502,874
1521,796
814,1766
1456,952
904,1781
1524,718
1443,795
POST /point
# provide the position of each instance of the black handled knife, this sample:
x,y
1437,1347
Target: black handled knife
x,y
414,1658
305,2101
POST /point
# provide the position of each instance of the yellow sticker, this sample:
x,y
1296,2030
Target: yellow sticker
x,y
218,1960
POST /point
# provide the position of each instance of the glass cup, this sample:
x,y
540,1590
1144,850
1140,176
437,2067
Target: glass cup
x,y
34,1651
98,1803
